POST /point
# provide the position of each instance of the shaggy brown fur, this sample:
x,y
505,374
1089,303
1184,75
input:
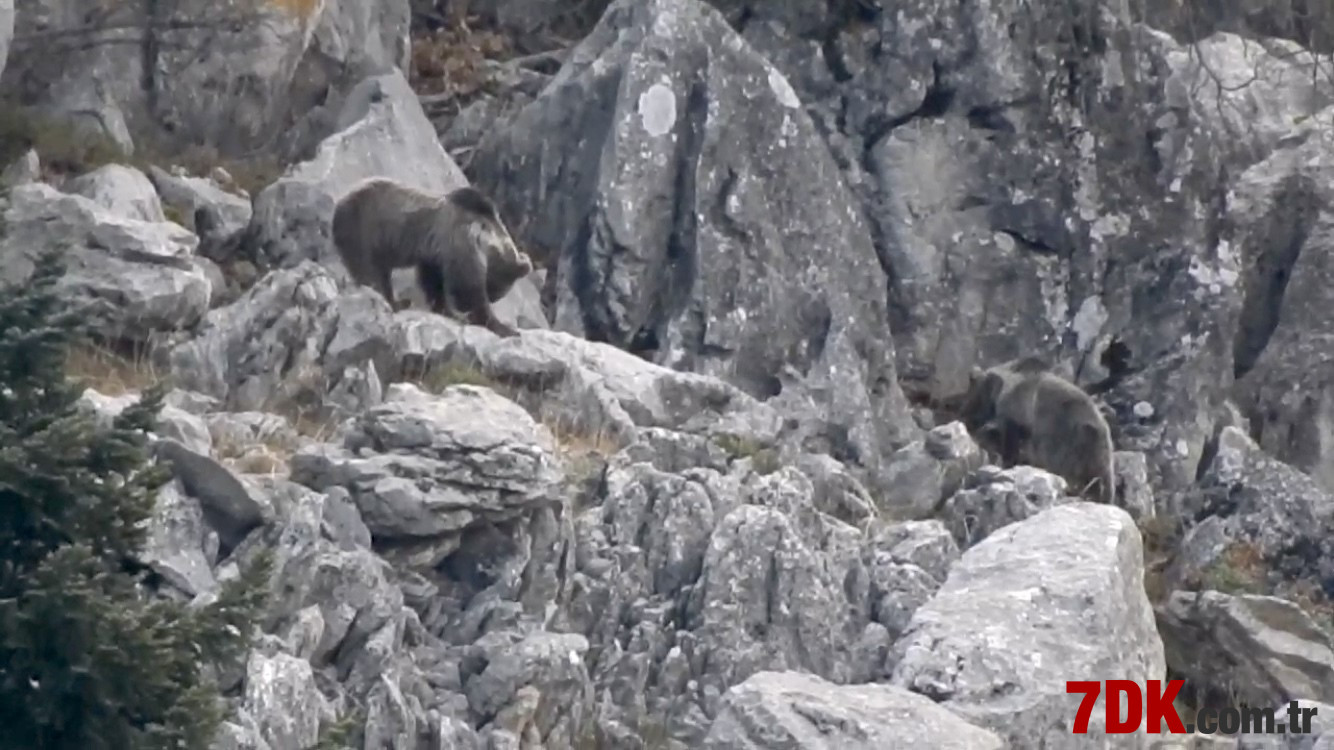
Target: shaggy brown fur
x,y
1026,414
464,255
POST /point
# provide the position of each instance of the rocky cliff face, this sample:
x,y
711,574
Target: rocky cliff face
x,y
701,500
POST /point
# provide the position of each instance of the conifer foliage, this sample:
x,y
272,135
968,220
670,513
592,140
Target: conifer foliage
x,y
90,657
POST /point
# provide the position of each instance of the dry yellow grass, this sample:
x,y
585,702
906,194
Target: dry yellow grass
x,y
302,9
583,456
437,378
268,455
258,461
108,372
574,443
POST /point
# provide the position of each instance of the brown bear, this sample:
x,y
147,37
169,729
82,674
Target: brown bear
x,y
464,255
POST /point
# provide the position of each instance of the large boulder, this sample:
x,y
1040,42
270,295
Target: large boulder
x,y
424,468
1262,649
128,276
292,341
696,216
1056,597
1277,217
121,190
804,712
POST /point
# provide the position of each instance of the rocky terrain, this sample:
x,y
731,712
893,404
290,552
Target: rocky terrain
x,y
702,501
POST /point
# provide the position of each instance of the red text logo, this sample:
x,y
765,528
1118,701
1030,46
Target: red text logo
x,y
1154,703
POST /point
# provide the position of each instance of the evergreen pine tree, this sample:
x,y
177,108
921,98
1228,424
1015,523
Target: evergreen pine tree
x,y
89,657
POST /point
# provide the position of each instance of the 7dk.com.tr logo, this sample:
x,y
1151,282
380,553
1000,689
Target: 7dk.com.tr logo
x,y
1155,705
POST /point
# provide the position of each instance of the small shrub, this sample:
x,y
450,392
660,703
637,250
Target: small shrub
x,y
315,423
763,458
584,455
1240,569
258,461
175,215
109,372
343,733
654,734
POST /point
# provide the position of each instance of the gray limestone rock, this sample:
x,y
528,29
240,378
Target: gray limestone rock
x,y
129,277
122,190
1055,597
423,468
698,217
803,712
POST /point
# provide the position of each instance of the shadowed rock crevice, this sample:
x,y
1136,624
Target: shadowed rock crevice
x,y
1286,229
678,266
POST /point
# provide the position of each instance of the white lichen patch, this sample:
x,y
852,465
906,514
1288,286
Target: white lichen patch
x,y
1089,320
783,90
657,109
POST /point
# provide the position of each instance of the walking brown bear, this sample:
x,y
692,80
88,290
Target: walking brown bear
x,y
464,255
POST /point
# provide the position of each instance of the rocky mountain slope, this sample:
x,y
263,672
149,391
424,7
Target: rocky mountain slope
x,y
702,500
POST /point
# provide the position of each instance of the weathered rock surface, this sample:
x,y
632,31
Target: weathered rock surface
x,y
923,474
593,389
1013,621
187,194
1279,209
763,580
23,170
282,695
129,277
424,468
1013,220
1268,648
124,191
6,30
794,710
177,541
230,76
1252,503
291,338
714,232
1006,496
228,504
